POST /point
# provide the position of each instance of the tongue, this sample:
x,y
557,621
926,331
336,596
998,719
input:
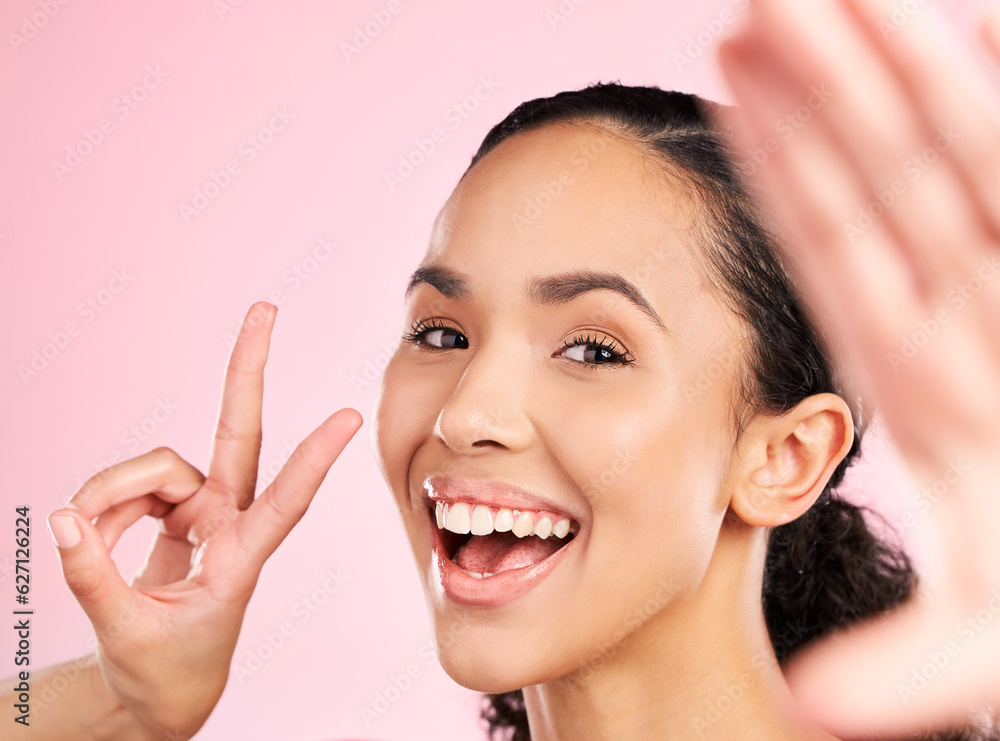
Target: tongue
x,y
498,552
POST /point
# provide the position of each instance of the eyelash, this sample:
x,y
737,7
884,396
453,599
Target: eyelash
x,y
619,358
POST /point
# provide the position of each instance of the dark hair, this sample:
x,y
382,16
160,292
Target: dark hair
x,y
825,569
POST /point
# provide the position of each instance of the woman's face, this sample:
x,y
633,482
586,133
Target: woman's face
x,y
568,360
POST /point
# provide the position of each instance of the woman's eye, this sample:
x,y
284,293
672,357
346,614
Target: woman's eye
x,y
445,338
588,351
591,352
436,336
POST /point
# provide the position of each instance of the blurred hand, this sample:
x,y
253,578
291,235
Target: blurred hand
x,y
876,142
165,643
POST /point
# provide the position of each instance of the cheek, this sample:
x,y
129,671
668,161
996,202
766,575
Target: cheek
x,y
402,421
404,417
640,449
649,459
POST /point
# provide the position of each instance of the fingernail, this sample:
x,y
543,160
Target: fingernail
x,y
64,531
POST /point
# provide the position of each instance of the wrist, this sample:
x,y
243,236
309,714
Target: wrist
x,y
110,719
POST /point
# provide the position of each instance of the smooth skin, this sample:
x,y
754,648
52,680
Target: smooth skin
x,y
891,97
654,610
165,642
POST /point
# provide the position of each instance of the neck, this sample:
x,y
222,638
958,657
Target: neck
x,y
703,668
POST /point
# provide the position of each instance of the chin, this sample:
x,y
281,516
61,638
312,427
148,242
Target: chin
x,y
480,676
486,652
492,669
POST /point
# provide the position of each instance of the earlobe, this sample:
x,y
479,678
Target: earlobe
x,y
787,459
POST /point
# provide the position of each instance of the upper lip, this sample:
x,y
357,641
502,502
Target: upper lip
x,y
489,492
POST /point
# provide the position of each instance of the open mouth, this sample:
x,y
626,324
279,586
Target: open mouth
x,y
486,541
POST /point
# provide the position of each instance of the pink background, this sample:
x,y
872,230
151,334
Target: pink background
x,y
160,341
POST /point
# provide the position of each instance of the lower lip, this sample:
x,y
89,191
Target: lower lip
x,y
490,591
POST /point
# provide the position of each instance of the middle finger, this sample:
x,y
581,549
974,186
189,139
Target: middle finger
x,y
236,445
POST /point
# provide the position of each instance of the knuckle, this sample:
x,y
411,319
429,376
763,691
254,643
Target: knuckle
x,y
93,484
84,582
306,455
278,506
225,431
234,368
165,455
217,523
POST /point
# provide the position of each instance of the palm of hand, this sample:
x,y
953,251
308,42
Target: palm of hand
x,y
888,200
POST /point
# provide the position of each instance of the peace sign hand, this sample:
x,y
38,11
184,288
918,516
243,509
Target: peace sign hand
x,y
165,642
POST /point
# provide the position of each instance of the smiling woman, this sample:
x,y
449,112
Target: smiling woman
x,y
614,425
532,361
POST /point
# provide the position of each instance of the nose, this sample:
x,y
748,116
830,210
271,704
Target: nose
x,y
487,409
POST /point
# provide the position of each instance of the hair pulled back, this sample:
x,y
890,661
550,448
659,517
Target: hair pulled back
x,y
827,568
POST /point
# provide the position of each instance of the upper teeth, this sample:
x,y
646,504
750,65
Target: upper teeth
x,y
479,519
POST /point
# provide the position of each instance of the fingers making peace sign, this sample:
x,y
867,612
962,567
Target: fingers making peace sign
x,y
181,615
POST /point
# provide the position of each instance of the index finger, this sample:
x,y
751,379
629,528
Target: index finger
x,y
236,444
160,472
275,512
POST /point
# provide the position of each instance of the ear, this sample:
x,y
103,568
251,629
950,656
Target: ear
x,y
787,459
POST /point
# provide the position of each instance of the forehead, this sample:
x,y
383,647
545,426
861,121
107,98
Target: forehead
x,y
567,196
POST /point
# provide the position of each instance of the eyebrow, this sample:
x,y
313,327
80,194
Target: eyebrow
x,y
552,290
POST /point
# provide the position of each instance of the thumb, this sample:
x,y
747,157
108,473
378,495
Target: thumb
x,y
87,567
